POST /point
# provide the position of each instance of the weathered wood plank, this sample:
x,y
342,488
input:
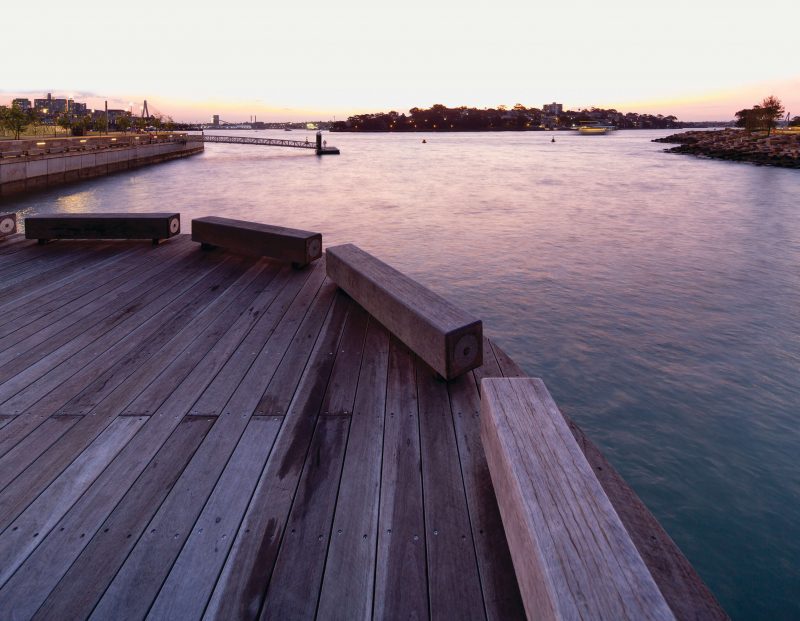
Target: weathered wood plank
x,y
203,329
257,239
447,338
454,585
29,529
586,568
110,262
12,302
192,578
294,584
237,370
79,587
500,591
349,580
40,378
58,328
26,452
401,587
149,562
242,584
153,225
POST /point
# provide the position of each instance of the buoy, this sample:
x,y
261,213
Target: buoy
x,y
552,139
424,141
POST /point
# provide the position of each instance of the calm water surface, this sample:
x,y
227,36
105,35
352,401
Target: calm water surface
x,y
657,295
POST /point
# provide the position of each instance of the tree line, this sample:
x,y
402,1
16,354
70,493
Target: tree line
x,y
518,118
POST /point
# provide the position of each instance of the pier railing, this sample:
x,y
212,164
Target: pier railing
x,y
268,142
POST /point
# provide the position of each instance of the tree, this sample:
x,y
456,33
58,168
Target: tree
x,y
124,123
65,121
795,122
771,111
14,120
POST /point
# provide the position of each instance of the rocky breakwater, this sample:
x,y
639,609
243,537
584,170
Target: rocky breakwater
x,y
778,149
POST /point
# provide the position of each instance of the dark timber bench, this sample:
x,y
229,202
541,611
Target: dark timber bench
x,y
155,226
572,555
8,224
447,338
262,240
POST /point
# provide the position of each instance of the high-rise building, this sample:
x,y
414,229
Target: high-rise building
x,y
22,103
216,119
553,109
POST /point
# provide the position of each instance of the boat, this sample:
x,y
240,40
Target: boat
x,y
594,128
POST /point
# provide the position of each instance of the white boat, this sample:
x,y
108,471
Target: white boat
x,y
594,128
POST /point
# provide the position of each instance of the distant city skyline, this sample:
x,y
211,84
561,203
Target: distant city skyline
x,y
697,61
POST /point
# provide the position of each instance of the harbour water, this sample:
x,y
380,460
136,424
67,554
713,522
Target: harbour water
x,y
657,295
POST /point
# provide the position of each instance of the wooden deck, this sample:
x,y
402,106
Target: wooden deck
x,y
189,434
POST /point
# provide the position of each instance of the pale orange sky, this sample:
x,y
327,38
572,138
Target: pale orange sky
x,y
697,60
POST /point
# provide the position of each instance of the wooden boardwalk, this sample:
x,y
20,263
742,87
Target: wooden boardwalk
x,y
189,434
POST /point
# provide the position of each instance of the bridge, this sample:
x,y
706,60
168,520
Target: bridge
x,y
318,146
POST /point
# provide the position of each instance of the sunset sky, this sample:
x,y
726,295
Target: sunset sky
x,y
700,60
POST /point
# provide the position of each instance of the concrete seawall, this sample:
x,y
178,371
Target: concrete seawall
x,y
30,165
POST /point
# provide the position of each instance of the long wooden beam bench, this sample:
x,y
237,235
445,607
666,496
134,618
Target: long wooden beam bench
x,y
444,336
154,225
262,240
572,555
8,224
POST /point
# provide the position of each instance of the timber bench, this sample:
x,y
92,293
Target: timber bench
x,y
8,224
262,240
444,336
572,555
153,225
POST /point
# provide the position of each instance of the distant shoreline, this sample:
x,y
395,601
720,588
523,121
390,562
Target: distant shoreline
x,y
781,148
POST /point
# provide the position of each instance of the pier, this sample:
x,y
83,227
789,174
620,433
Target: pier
x,y
190,433
317,145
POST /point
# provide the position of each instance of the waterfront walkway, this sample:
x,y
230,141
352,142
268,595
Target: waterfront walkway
x,y
187,433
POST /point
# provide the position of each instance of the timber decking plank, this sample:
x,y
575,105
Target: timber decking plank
x,y
401,587
22,536
36,443
78,587
93,508
89,314
107,490
454,585
498,581
128,342
294,585
214,399
34,300
149,562
109,376
45,268
221,313
242,583
341,391
42,377
194,574
20,306
263,319
348,584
